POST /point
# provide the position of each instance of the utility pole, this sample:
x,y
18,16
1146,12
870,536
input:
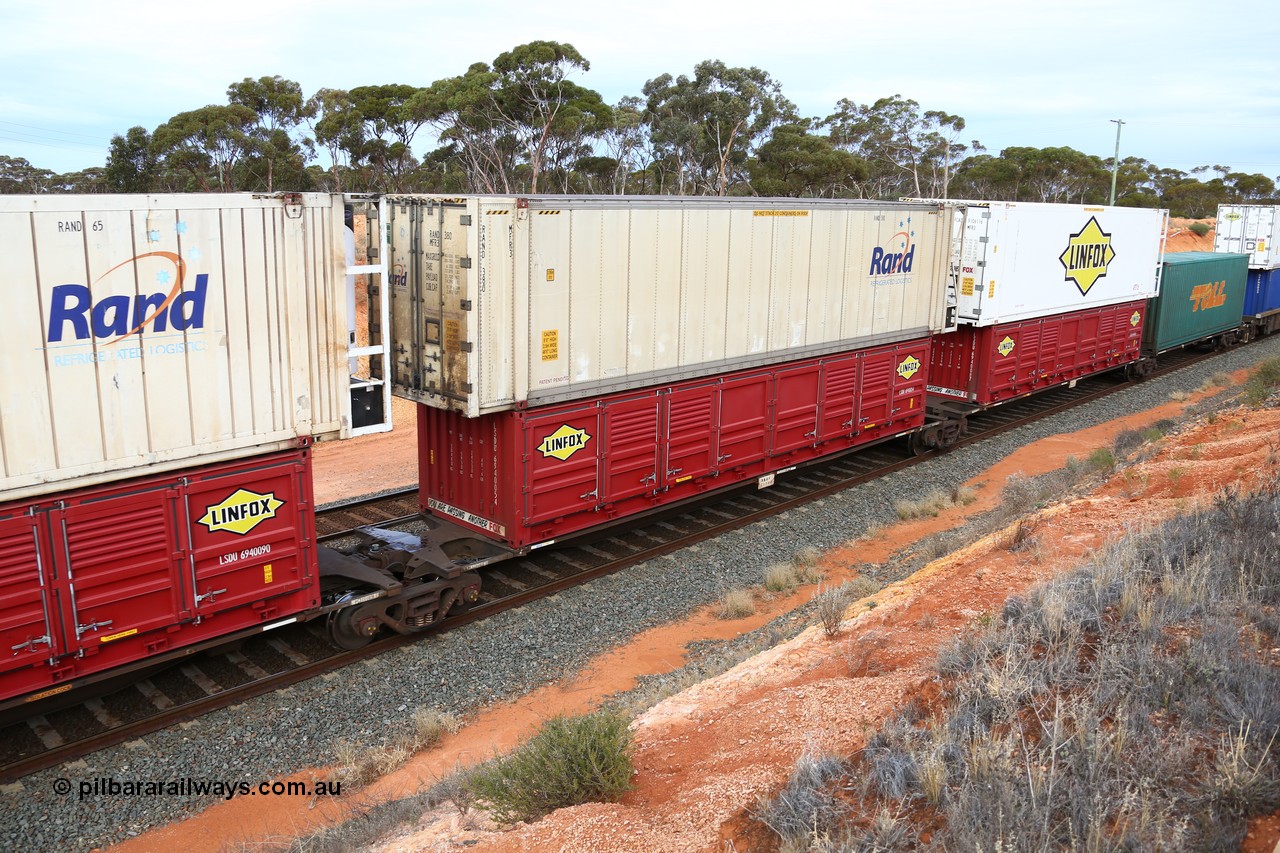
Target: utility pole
x,y
1115,163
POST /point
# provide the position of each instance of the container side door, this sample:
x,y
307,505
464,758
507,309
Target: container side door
x,y
876,388
249,534
796,407
689,443
562,464
909,370
744,420
27,630
839,389
630,442
120,565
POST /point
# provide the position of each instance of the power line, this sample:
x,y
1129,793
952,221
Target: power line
x,y
80,150
51,130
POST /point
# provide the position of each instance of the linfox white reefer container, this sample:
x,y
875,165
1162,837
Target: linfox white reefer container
x,y
1020,261
502,302
141,333
1250,229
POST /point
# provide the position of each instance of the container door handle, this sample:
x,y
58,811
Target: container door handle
x,y
810,434
81,630
671,472
649,479
31,644
589,495
211,595
724,458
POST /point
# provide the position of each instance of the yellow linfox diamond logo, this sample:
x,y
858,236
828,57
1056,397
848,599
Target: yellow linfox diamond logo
x,y
1136,318
564,442
1087,256
241,512
909,367
1006,346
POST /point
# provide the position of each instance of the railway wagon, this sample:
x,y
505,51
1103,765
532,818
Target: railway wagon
x,y
527,477
1202,297
1048,293
502,303
1251,229
1262,301
168,361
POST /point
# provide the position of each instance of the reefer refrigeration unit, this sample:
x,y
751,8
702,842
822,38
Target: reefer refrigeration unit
x,y
501,302
145,333
1201,297
1252,230
533,475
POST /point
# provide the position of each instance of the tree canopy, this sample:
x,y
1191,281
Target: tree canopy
x,y
524,123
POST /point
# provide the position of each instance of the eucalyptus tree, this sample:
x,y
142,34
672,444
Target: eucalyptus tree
x,y
280,110
706,127
795,162
627,144
907,152
207,144
338,128
17,175
131,163
390,121
519,118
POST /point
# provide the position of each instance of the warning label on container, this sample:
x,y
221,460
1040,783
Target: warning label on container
x,y
451,335
966,285
781,213
550,344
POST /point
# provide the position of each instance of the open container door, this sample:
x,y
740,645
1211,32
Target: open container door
x,y
365,242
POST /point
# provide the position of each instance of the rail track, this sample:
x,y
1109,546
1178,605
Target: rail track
x,y
76,726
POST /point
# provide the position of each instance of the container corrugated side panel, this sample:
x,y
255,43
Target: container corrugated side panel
x,y
118,574
1202,294
1262,293
542,473
580,296
1250,229
1037,260
145,332
1013,359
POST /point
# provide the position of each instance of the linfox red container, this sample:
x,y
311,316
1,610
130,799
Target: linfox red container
x,y
534,475
107,576
989,365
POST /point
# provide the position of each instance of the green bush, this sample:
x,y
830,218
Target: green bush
x,y
1199,228
570,761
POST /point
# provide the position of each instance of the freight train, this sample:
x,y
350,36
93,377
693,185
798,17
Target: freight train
x,y
577,361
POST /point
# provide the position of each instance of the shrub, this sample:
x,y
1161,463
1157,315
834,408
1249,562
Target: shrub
x,y
831,606
1102,459
1199,228
780,577
430,726
736,604
570,761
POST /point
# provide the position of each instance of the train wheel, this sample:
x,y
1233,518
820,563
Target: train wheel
x,y
919,445
351,633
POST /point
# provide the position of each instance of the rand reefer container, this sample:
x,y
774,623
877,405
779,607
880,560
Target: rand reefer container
x,y
1262,300
533,475
145,332
1201,297
110,576
1019,261
1251,229
979,366
505,302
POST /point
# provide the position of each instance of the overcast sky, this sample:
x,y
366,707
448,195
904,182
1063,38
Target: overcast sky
x,y
1196,83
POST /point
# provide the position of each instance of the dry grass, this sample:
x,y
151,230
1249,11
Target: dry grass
x,y
736,604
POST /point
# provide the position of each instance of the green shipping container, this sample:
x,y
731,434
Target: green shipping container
x,y
1201,295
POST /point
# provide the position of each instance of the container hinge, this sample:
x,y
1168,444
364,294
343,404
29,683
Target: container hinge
x,y
464,304
211,595
464,219
465,263
977,313
81,630
466,388
31,644
977,288
465,346
982,239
